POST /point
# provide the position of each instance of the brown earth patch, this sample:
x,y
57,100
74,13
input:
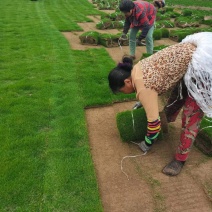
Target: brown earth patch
x,y
116,53
144,188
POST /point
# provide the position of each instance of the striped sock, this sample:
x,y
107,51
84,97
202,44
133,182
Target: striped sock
x,y
153,130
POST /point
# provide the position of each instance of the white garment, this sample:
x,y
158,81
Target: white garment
x,y
198,78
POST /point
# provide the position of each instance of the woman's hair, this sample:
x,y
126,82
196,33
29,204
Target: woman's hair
x,y
121,72
126,5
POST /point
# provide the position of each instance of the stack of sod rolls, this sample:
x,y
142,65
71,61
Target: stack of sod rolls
x,y
90,37
132,125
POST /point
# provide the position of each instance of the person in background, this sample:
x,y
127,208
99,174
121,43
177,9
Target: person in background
x,y
187,68
140,15
159,4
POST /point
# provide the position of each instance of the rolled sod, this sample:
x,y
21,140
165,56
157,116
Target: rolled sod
x,y
132,125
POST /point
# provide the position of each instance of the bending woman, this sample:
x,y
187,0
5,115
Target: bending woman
x,y
186,68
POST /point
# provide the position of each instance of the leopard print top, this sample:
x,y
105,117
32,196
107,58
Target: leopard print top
x,y
164,69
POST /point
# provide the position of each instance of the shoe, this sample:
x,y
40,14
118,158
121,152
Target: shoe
x,y
173,168
132,57
140,43
144,147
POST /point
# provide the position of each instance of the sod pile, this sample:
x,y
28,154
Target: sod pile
x,y
165,24
207,20
204,143
117,24
123,42
109,24
162,17
104,24
204,138
106,4
116,16
158,48
186,12
90,38
184,22
169,9
157,34
145,55
132,125
165,33
104,39
179,35
109,40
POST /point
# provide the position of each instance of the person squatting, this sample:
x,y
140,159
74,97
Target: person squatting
x,y
186,68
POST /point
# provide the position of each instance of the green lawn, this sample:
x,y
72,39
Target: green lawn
x,y
197,3
45,160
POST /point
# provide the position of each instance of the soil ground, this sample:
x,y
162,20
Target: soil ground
x,y
145,188
140,186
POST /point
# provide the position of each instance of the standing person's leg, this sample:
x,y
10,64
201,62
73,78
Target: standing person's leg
x,y
149,40
132,40
191,119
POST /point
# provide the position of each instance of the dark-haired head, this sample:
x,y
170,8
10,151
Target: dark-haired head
x,y
119,74
159,4
126,6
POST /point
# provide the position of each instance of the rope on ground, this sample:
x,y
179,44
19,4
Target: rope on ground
x,y
130,156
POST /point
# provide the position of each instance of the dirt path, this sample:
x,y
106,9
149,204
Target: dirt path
x,y
145,188
116,53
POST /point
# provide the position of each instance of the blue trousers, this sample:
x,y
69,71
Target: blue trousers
x,y
149,40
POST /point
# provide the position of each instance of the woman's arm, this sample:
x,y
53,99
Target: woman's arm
x,y
149,100
126,26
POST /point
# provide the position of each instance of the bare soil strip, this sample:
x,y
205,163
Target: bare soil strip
x,y
147,189
116,53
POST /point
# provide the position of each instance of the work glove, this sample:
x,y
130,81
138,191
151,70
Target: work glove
x,y
123,37
144,147
140,43
137,105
